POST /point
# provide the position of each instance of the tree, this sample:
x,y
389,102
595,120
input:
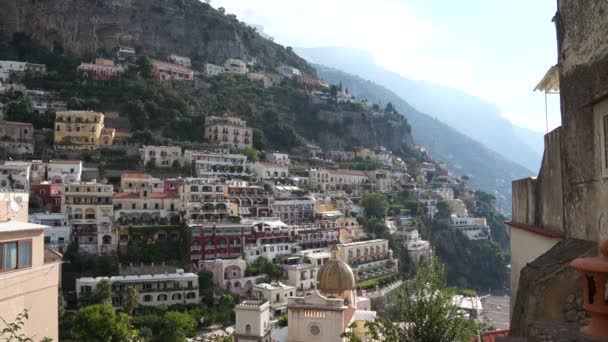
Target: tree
x,y
259,140
443,210
389,108
427,307
101,323
20,111
144,66
175,326
205,280
12,330
137,114
102,293
374,204
131,299
251,153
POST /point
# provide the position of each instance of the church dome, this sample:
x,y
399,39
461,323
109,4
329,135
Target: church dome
x,y
335,276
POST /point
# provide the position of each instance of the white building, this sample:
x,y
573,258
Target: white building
x,y
212,69
288,71
416,247
277,158
6,67
57,235
161,156
153,289
235,66
64,171
15,175
302,276
472,227
269,251
180,60
252,322
276,293
211,164
325,179
268,170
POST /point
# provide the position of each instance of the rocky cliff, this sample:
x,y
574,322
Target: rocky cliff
x,y
155,27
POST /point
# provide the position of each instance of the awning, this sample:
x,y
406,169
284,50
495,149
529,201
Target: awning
x,y
244,211
550,82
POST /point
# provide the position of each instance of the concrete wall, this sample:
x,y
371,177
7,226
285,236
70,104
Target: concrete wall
x,y
539,202
526,247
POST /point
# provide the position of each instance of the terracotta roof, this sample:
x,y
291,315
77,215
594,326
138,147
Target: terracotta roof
x,y
126,195
491,336
349,172
134,175
51,255
347,316
536,230
15,123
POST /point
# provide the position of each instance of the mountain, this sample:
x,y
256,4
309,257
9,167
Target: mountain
x,y
489,170
88,28
468,114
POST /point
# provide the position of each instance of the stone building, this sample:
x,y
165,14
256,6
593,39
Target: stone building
x,y
17,137
228,131
561,214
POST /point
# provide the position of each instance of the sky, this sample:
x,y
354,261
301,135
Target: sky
x,y
496,50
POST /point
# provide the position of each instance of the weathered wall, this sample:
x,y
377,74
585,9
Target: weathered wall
x,y
549,289
583,61
551,208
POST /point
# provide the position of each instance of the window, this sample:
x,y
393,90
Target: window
x,y
147,298
15,255
248,329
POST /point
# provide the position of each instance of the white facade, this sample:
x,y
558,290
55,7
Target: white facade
x,y
161,156
210,164
288,71
416,247
64,171
6,67
57,235
277,158
252,322
212,69
276,293
267,170
268,251
473,228
154,289
302,276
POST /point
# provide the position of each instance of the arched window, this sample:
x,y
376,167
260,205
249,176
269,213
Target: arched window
x,y
147,298
248,329
107,240
161,297
176,296
190,295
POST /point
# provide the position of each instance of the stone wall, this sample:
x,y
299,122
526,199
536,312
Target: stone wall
x,y
583,61
549,289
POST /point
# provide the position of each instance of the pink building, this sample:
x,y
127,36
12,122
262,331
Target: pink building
x,y
102,69
170,71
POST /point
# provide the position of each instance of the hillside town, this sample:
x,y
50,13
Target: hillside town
x,y
275,230
152,194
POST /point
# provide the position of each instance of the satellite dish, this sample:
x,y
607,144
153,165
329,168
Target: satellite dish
x,y
15,207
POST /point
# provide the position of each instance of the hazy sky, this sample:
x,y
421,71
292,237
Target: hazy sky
x,y
497,50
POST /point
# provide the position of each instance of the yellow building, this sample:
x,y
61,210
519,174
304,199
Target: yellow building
x,y
228,131
81,130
